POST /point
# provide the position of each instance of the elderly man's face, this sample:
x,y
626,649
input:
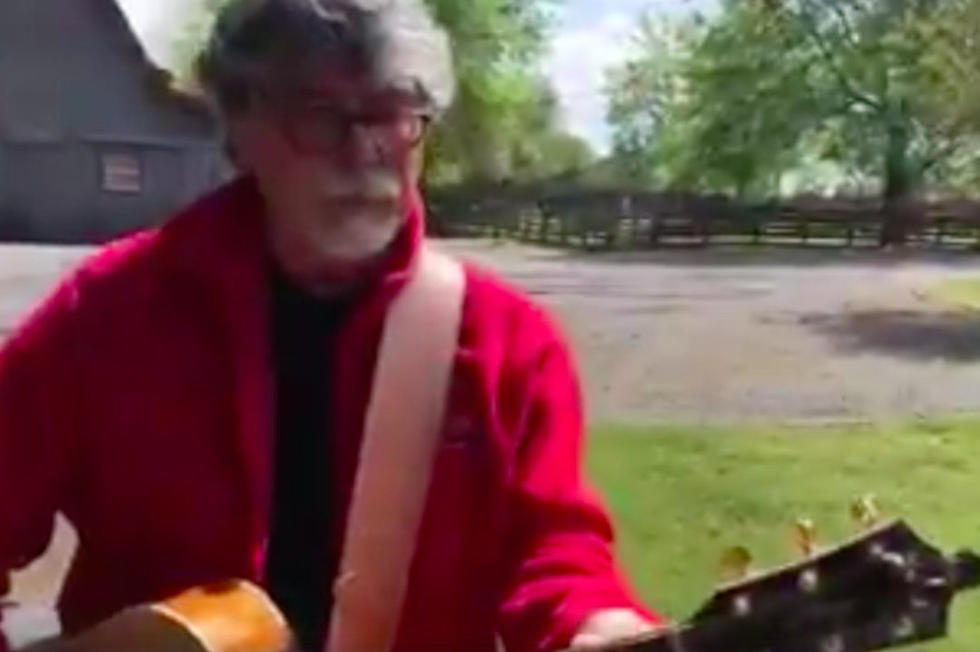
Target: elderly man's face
x,y
335,148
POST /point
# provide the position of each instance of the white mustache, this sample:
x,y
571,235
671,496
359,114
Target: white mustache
x,y
371,185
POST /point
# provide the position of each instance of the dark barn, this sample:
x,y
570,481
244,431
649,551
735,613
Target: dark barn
x,y
94,142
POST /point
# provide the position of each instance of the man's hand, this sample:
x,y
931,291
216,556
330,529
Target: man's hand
x,y
605,628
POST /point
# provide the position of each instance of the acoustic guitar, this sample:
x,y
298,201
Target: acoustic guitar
x,y
885,588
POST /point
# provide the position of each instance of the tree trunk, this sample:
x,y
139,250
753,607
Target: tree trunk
x,y
899,208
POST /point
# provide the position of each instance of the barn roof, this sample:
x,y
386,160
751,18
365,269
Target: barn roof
x,y
158,80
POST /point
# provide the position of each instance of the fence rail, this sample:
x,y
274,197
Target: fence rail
x,y
629,220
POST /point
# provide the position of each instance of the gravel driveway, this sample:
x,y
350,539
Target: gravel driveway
x,y
770,334
716,335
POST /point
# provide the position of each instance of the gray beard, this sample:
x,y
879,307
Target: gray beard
x,y
357,236
311,251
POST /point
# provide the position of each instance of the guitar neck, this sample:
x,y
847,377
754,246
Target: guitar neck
x,y
805,632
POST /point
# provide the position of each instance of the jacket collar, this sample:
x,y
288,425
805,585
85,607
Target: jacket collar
x,y
219,241
222,237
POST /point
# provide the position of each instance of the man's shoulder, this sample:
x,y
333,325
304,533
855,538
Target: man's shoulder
x,y
497,303
118,255
491,292
156,249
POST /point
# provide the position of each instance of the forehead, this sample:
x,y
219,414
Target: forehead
x,y
343,86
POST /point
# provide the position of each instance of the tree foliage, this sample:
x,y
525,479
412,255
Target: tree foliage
x,y
644,93
504,122
886,90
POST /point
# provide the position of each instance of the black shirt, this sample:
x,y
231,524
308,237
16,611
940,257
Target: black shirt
x,y
299,566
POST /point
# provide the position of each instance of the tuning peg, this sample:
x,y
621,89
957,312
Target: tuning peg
x,y
966,570
865,512
806,537
736,563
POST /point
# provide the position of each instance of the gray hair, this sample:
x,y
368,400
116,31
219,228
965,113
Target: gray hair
x,y
396,43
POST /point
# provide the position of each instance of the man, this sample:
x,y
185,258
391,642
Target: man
x,y
192,398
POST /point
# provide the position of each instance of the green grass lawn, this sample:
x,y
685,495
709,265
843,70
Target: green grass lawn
x,y
963,292
681,495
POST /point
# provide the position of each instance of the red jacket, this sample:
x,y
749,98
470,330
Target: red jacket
x,y
137,400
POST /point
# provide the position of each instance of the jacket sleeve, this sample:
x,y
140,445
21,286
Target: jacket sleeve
x,y
560,536
36,419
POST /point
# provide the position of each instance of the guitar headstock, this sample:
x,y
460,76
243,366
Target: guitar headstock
x,y
884,588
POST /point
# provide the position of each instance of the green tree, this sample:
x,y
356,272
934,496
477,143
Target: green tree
x,y
876,86
644,95
503,125
189,40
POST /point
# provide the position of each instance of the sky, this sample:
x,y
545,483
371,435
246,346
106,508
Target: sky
x,y
591,36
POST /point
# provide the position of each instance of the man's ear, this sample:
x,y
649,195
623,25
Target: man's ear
x,y
416,163
232,154
235,138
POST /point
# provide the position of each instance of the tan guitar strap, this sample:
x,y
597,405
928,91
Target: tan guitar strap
x,y
402,426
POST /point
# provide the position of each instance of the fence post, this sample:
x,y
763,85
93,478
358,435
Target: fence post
x,y
655,231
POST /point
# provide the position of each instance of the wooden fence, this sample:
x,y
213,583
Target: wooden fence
x,y
629,220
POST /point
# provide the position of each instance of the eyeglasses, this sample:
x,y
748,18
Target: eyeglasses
x,y
322,127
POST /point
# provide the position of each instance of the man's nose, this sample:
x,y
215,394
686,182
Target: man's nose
x,y
364,146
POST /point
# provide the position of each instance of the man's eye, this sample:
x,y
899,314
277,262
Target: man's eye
x,y
377,119
322,113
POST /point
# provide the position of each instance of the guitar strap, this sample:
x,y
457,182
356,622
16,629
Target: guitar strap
x,y
404,419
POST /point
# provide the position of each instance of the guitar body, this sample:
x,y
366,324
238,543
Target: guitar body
x,y
233,616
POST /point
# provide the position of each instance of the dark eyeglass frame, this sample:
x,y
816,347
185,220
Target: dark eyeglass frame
x,y
321,127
